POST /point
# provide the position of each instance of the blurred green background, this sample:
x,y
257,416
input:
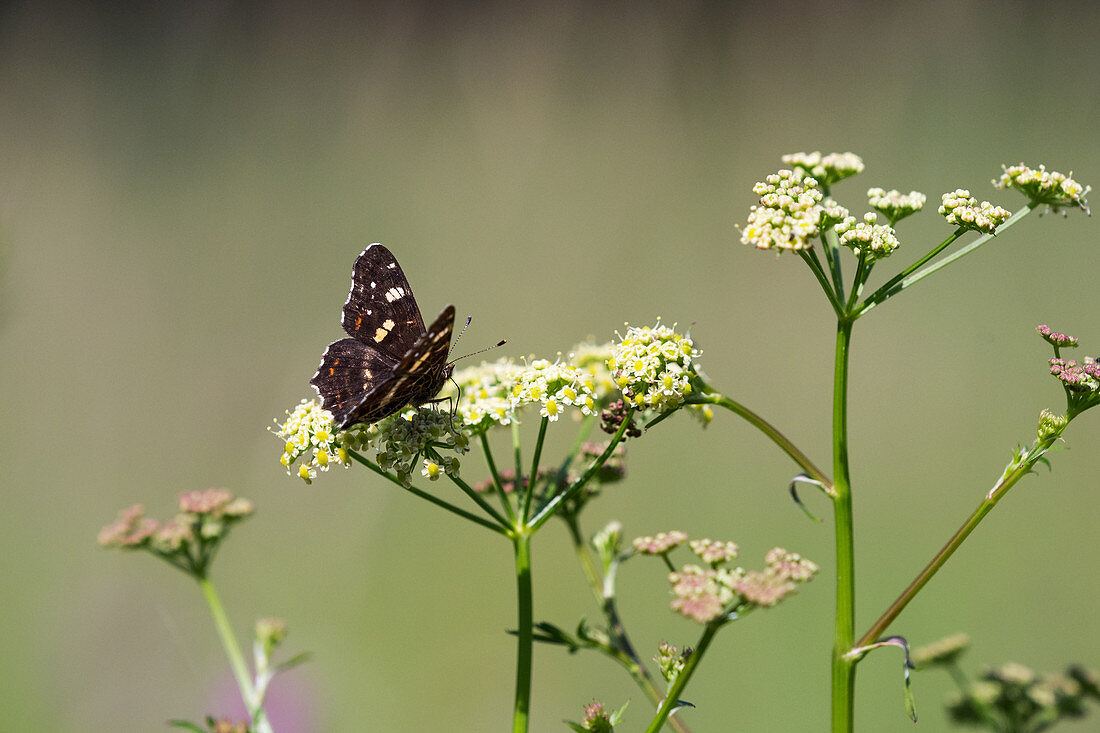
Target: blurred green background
x,y
183,190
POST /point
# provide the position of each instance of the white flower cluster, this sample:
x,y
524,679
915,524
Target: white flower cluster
x,y
788,215
652,367
867,238
1046,187
309,431
828,168
494,393
963,210
895,205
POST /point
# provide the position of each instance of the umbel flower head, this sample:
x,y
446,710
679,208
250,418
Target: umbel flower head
x,y
963,210
494,393
706,594
895,205
788,216
189,539
866,238
1081,380
1021,698
653,367
1041,186
310,434
828,169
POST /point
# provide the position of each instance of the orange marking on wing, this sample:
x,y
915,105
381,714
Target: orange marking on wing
x,y
358,322
331,371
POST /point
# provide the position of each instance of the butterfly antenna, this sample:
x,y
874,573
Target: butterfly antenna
x,y
464,327
497,345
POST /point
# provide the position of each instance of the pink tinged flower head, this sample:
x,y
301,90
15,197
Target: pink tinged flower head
x,y
205,501
714,551
173,535
700,594
1059,340
764,589
131,529
790,565
663,543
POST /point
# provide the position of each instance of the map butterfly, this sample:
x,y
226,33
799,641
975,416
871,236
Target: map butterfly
x,y
391,360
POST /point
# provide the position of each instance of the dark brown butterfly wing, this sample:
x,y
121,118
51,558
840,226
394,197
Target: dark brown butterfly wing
x,y
415,380
381,310
390,360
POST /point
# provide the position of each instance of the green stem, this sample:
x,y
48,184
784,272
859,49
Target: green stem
x,y
498,485
236,658
517,455
843,668
532,480
476,498
715,398
815,267
905,282
681,680
428,497
885,291
622,648
1006,482
524,633
549,508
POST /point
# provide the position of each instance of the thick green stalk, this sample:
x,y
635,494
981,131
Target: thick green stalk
x,y
236,658
524,632
843,668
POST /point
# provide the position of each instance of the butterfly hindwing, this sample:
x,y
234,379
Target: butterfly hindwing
x,y
381,310
349,369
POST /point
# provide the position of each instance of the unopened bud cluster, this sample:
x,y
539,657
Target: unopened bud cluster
x,y
410,435
867,238
1055,339
828,168
671,660
895,205
963,210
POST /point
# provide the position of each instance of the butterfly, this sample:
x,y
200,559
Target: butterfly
x,y
391,360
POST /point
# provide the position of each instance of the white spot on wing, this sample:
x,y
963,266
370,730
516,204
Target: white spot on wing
x,y
393,294
392,265
373,284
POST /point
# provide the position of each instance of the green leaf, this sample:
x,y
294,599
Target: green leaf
x,y
186,725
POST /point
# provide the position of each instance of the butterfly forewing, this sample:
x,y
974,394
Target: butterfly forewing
x,y
390,360
381,310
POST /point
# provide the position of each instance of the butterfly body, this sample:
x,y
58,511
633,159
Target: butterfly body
x,y
390,359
